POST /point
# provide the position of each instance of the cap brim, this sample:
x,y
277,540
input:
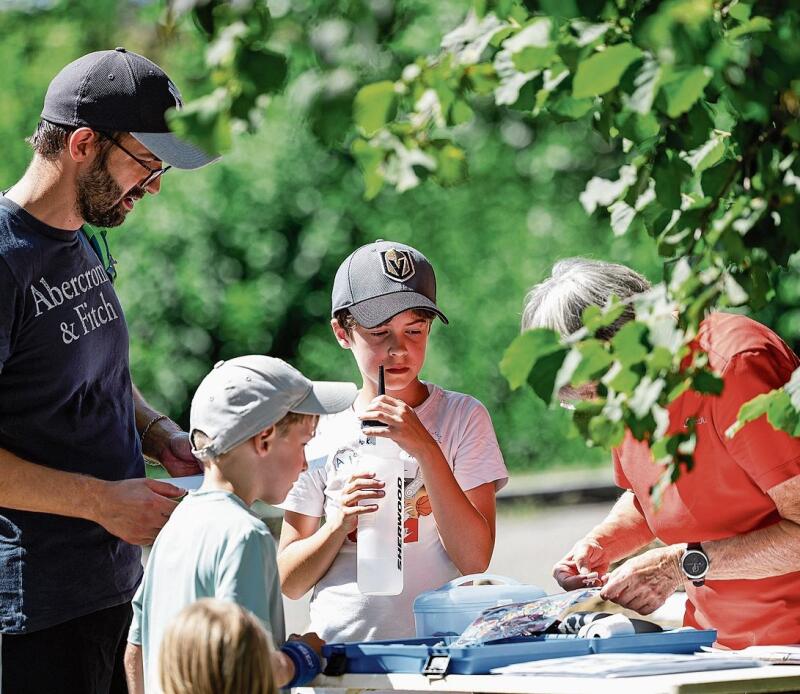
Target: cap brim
x,y
327,397
175,152
372,312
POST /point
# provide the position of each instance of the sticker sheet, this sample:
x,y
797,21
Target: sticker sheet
x,y
523,618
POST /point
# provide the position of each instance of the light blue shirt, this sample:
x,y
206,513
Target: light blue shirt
x,y
213,546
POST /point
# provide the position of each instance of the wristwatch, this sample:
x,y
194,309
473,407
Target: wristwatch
x,y
695,563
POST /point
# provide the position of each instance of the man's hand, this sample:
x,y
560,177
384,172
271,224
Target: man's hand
x,y
583,567
362,486
135,510
175,454
645,582
402,425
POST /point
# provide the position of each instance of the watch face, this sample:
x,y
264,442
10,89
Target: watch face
x,y
695,564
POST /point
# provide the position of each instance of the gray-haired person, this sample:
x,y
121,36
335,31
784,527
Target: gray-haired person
x,y
73,499
731,526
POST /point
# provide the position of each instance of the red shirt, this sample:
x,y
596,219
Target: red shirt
x,y
726,492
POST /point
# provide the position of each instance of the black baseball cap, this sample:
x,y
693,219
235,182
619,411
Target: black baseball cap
x,y
121,91
382,279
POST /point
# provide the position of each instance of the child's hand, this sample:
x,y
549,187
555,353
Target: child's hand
x,y
402,425
360,487
311,638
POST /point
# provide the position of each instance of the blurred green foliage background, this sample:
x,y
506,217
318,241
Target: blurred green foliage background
x,y
240,257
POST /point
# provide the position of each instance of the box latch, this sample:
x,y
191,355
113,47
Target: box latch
x,y
436,666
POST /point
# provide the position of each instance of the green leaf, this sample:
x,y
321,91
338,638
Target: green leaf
x,y
601,72
624,380
622,214
534,58
646,84
594,317
669,173
374,106
600,192
751,26
588,33
204,122
685,88
793,131
638,128
740,11
524,351
782,415
265,70
451,165
707,155
482,77
660,359
753,409
679,389
716,178
569,107
543,375
645,396
629,343
596,360
461,112
370,159
707,383
606,433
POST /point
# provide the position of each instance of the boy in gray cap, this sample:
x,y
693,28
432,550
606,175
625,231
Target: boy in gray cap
x,y
251,418
384,302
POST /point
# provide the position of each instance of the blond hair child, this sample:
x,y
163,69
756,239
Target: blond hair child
x,y
215,647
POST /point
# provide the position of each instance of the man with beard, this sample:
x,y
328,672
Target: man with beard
x,y
74,503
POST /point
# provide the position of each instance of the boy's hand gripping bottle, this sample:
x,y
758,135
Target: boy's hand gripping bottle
x,y
380,534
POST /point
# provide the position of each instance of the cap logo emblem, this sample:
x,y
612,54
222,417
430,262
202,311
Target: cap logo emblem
x,y
397,265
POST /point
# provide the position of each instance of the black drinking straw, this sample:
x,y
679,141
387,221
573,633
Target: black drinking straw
x,y
381,391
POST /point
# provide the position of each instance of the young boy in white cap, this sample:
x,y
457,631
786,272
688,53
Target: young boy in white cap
x,y
250,420
384,302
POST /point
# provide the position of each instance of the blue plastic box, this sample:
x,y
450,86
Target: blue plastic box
x,y
448,610
436,657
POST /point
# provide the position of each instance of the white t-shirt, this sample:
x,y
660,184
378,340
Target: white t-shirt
x,y
462,427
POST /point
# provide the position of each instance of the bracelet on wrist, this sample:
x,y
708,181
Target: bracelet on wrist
x,y
307,664
149,426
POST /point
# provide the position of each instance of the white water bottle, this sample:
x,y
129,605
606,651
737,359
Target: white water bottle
x,y
380,533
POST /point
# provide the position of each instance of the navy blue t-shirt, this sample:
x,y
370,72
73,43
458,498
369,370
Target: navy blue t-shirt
x,y
66,402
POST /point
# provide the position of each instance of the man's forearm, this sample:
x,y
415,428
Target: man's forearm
x,y
26,486
771,551
623,531
153,439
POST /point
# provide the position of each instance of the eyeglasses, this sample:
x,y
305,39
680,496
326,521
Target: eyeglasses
x,y
152,174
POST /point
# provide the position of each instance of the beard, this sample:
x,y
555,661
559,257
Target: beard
x,y
99,197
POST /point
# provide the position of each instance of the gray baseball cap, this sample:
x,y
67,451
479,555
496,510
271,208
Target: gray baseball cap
x,y
382,279
245,395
